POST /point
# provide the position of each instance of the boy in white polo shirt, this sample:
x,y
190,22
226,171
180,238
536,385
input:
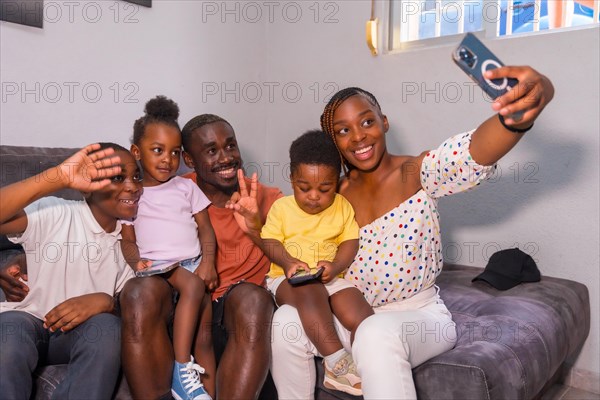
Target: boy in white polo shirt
x,y
74,270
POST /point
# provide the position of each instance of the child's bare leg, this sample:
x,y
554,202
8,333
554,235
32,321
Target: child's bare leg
x,y
203,348
191,294
350,308
312,302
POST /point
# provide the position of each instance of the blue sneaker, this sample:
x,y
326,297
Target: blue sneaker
x,y
186,383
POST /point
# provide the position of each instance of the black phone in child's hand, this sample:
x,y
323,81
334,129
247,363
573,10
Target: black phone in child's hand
x,y
303,276
475,59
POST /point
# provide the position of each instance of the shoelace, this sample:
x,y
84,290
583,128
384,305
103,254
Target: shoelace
x,y
191,374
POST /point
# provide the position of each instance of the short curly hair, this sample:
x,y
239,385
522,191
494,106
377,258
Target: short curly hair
x,y
314,148
198,122
110,145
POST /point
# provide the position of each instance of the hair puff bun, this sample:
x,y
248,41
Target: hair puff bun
x,y
162,108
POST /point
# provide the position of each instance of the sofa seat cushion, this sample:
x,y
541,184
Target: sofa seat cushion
x,y
510,343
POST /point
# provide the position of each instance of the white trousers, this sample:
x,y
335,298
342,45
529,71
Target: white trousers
x,y
399,337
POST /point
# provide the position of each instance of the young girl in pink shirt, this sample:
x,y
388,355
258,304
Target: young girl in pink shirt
x,y
173,224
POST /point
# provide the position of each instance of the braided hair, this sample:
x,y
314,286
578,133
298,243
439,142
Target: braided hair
x,y
333,104
198,122
158,110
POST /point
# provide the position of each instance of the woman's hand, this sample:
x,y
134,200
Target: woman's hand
x,y
522,105
74,311
519,108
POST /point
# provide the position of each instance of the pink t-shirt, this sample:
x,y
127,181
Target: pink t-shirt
x,y
165,228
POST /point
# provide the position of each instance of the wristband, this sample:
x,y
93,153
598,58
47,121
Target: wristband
x,y
511,128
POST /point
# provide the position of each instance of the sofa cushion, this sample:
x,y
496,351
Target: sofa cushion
x,y
511,344
21,162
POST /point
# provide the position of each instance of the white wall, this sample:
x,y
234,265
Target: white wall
x,y
269,74
131,54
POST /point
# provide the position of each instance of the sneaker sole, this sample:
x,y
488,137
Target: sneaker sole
x,y
177,397
341,388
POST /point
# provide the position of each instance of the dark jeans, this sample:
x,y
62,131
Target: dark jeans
x,y
92,350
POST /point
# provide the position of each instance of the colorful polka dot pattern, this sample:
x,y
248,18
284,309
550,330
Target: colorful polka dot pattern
x,y
450,168
400,253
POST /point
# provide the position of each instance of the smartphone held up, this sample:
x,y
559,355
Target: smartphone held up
x,y
475,59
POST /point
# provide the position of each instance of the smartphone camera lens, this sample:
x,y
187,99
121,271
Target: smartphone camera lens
x,y
467,57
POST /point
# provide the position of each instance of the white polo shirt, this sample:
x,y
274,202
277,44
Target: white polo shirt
x,y
68,255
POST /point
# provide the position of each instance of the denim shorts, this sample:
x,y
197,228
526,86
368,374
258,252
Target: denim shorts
x,y
191,263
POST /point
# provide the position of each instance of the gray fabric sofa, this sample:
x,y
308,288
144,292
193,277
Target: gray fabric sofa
x,y
512,344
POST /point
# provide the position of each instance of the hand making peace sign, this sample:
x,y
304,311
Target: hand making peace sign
x,y
245,205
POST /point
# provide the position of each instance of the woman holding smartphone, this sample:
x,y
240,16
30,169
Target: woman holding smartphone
x,y
400,256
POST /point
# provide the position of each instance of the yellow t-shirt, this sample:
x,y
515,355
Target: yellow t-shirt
x,y
310,238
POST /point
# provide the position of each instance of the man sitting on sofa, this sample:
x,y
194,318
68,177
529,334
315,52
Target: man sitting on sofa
x,y
242,307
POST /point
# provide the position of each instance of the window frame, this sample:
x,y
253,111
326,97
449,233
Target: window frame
x,y
489,30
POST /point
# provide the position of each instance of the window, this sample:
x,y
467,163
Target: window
x,y
419,22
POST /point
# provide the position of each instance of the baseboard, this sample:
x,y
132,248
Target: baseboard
x,y
582,379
